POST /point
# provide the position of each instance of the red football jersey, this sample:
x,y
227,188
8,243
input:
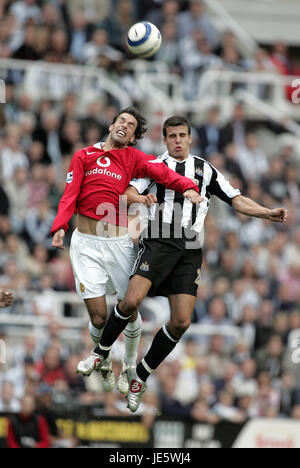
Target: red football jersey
x,y
97,178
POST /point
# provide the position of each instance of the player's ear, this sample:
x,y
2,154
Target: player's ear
x,y
165,140
190,139
132,139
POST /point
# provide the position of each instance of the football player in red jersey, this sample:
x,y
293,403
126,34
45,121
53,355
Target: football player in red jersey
x,y
102,252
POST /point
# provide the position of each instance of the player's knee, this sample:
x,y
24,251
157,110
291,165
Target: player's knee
x,y
179,326
98,320
130,305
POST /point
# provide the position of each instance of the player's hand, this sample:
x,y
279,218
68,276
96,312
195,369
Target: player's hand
x,y
6,299
193,196
278,215
149,199
58,241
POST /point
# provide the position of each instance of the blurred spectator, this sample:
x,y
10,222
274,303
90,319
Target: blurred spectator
x,y
12,156
216,357
27,51
201,412
99,46
274,182
289,393
169,405
245,381
18,193
118,23
94,10
50,369
266,403
25,10
27,429
168,13
196,18
283,62
209,133
236,130
225,409
48,134
38,224
195,56
270,358
37,188
168,53
79,35
46,409
8,402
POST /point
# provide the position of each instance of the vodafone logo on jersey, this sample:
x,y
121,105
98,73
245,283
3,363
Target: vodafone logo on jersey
x,y
103,171
103,161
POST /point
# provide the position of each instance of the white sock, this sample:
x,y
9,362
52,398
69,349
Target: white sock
x,y
95,333
132,335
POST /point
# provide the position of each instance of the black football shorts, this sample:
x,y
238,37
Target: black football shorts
x,y
170,269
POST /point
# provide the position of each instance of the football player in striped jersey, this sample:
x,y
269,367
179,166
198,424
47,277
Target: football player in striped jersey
x,y
170,257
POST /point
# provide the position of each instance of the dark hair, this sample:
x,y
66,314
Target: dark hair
x,y
175,121
141,122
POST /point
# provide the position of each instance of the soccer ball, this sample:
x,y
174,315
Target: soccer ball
x,y
144,39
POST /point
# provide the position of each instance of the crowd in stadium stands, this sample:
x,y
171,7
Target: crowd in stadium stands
x,y
251,271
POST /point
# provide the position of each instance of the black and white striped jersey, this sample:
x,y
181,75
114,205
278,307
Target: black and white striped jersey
x,y
172,208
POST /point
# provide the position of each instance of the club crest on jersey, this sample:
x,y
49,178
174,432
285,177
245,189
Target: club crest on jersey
x,y
145,266
69,178
103,161
199,172
82,288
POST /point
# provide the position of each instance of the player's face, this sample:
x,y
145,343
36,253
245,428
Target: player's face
x,y
178,141
122,132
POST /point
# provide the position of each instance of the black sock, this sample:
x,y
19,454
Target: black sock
x,y
116,323
161,347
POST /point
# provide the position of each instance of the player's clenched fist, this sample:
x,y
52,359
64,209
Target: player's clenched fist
x,y
58,239
6,299
278,215
193,196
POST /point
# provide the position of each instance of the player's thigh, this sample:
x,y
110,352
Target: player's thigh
x,y
137,290
121,256
182,307
156,260
185,277
90,276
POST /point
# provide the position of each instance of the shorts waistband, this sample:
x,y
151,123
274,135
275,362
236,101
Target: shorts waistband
x,y
90,236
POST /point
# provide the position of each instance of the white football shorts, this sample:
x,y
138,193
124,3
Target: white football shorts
x,y
101,265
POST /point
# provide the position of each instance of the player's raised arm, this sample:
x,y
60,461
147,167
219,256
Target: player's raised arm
x,y
68,201
249,207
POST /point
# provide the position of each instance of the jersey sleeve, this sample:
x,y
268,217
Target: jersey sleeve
x,y
221,187
155,169
67,203
141,185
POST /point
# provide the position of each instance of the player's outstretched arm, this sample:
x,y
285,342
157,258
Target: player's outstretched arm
x,y
6,299
249,207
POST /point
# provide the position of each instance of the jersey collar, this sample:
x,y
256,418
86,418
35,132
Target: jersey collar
x,y
166,155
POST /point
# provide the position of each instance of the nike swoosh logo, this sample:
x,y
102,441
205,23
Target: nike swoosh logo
x,y
93,152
